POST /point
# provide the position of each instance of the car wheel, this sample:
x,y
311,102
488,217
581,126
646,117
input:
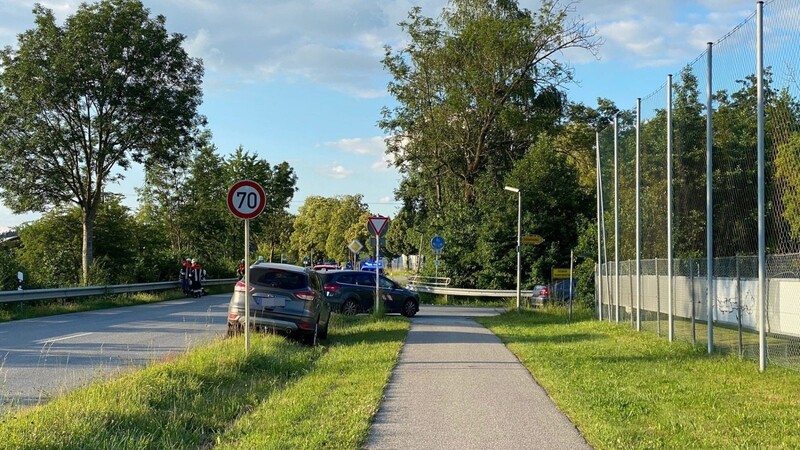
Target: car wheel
x,y
409,308
323,332
349,308
233,330
311,338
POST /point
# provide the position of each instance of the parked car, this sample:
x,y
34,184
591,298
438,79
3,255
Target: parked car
x,y
326,267
352,291
284,298
561,290
541,295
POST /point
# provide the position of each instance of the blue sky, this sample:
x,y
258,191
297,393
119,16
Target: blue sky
x,y
301,81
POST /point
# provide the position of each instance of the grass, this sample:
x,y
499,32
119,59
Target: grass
x,y
624,389
280,395
42,308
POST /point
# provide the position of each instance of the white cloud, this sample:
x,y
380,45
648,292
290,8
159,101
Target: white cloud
x,y
385,163
338,172
360,146
654,33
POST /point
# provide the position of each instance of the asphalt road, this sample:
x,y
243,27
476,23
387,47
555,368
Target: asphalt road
x,y
457,386
40,357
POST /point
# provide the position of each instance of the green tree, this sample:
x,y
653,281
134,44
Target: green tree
x,y
475,88
310,234
348,222
51,247
79,102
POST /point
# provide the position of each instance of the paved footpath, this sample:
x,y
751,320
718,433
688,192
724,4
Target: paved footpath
x,y
456,386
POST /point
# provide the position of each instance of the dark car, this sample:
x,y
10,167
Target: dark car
x,y
284,298
561,290
352,291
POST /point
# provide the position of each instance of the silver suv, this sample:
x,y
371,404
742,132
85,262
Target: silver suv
x,y
284,298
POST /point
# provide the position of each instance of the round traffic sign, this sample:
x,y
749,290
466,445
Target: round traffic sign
x,y
437,242
246,199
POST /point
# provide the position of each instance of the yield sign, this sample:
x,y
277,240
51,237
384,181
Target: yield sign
x,y
377,225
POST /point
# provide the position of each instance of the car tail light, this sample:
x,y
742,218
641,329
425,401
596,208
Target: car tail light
x,y
305,295
233,316
240,287
545,292
305,326
331,289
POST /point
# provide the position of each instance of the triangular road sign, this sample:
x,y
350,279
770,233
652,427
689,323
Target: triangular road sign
x,y
377,225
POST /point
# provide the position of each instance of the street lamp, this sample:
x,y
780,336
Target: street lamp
x,y
519,234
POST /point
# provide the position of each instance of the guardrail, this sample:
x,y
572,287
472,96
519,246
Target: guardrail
x,y
415,280
89,291
441,290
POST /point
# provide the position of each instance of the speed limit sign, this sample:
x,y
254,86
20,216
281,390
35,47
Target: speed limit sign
x,y
246,199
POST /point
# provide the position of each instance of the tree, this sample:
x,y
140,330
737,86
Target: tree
x,y
475,89
80,102
310,233
51,247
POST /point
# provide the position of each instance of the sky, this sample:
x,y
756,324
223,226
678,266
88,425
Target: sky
x,y
302,81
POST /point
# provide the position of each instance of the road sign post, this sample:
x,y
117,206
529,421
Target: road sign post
x,y
354,248
377,226
437,243
246,200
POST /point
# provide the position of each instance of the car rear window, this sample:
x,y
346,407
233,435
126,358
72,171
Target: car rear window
x,y
282,280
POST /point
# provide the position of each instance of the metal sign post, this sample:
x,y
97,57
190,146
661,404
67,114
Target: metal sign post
x,y
437,243
246,200
377,226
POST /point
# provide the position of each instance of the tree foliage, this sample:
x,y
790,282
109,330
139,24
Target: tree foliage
x,y
324,226
82,101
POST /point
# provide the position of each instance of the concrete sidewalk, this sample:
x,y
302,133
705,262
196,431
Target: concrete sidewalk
x,y
457,386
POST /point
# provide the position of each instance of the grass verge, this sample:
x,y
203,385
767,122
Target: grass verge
x,y
280,395
631,390
43,308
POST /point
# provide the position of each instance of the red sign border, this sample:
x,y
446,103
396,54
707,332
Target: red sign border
x,y
384,228
259,190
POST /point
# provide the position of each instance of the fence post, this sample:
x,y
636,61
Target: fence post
x,y
739,306
638,219
630,289
762,257
658,301
691,288
616,219
670,324
599,216
710,297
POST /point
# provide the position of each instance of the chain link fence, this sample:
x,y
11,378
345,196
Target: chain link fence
x,y
671,291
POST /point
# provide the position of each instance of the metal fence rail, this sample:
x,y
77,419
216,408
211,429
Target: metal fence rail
x,y
89,291
457,292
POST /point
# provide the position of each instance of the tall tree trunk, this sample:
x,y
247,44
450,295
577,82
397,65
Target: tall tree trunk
x,y
89,214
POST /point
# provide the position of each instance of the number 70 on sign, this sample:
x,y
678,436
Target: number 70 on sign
x,y
246,199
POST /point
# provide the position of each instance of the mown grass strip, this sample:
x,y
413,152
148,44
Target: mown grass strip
x,y
43,308
631,390
331,406
193,400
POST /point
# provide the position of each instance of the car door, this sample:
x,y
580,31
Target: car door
x,y
393,297
365,286
321,302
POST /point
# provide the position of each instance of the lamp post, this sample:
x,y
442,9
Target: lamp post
x,y
519,234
